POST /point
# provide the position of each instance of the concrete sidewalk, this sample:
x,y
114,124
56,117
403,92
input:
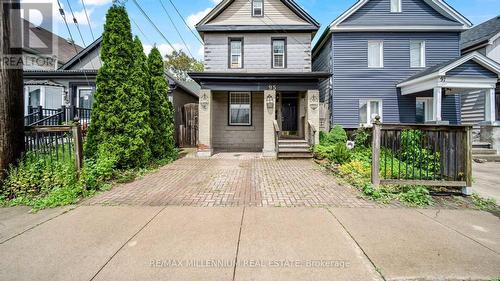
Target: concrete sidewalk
x,y
487,179
248,243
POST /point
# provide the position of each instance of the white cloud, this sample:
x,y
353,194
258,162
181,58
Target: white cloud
x,y
195,18
216,1
97,2
36,17
164,48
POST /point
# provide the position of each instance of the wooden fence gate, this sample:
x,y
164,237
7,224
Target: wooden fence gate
x,y
187,133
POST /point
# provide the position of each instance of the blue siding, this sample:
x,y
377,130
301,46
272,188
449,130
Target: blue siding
x,y
323,62
472,69
414,12
353,80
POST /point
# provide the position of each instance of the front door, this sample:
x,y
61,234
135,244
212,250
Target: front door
x,y
289,116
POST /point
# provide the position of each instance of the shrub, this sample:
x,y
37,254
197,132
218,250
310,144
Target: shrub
x,y
337,153
415,195
336,135
362,137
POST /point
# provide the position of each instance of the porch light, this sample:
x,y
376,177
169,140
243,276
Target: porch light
x,y
269,101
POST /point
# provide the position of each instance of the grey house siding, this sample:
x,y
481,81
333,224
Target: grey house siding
x,y
353,80
473,69
323,61
257,52
414,12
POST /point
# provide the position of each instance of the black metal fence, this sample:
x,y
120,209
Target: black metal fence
x,y
39,116
434,155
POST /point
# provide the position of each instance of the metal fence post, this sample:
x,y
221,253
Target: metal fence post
x,y
63,114
376,136
78,140
40,112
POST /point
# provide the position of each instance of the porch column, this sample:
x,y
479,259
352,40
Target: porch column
x,y
437,101
489,107
205,124
312,113
269,149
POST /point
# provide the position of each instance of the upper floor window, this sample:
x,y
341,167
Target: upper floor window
x,y
395,6
375,54
257,8
235,52
417,54
279,53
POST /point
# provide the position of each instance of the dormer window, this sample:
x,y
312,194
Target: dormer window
x,y
257,8
396,6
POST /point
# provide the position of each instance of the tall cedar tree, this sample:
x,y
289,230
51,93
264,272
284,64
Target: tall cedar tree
x,y
161,110
120,111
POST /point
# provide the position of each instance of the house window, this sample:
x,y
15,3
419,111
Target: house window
x,y
47,96
257,8
34,96
85,97
279,53
424,110
368,110
376,54
396,6
235,53
240,108
417,54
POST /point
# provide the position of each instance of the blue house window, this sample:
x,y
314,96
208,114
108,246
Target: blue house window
x,y
417,53
375,54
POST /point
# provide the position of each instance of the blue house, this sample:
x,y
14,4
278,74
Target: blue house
x,y
399,59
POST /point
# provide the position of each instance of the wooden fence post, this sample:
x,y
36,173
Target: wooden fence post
x,y
78,140
468,162
376,136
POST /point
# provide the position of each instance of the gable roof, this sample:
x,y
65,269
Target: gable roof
x,y
480,34
65,49
442,68
190,87
77,58
289,3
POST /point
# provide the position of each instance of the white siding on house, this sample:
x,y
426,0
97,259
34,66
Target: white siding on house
x,y
240,13
90,61
493,50
257,52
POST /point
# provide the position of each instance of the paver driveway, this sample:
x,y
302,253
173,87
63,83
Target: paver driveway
x,y
235,181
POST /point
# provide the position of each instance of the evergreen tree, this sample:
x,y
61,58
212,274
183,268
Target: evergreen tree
x,y
161,110
120,111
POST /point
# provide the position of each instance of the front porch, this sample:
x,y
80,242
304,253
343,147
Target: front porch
x,y
276,114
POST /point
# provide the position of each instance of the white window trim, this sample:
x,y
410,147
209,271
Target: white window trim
x,y
422,53
381,53
261,9
284,53
240,59
428,115
250,114
399,8
78,88
42,95
368,110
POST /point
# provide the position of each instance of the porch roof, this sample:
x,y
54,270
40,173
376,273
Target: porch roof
x,y
89,74
248,81
449,75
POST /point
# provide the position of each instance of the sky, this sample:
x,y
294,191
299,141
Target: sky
x,y
324,11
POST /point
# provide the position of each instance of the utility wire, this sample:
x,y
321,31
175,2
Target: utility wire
x,y
140,30
63,15
175,27
88,19
78,28
185,23
152,23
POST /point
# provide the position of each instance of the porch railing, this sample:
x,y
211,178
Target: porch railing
x,y
430,155
276,135
39,116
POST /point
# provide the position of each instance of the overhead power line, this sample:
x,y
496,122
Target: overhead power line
x,y
185,23
78,28
175,27
140,30
88,19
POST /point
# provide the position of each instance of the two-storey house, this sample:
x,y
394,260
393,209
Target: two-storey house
x,y
400,59
259,92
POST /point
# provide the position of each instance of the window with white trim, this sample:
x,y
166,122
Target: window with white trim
x,y
375,54
279,53
417,53
424,110
396,6
236,53
368,110
257,8
240,108
50,97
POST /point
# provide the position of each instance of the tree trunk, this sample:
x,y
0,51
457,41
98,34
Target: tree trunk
x,y
11,92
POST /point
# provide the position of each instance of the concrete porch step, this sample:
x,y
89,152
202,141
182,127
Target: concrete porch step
x,y
294,155
487,157
280,141
481,145
293,145
483,151
293,149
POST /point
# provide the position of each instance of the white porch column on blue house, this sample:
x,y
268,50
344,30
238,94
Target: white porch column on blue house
x,y
489,108
269,149
437,103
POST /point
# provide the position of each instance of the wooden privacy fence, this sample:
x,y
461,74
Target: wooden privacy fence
x,y
430,155
187,132
56,143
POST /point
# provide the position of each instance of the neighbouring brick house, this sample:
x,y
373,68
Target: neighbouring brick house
x,y
258,91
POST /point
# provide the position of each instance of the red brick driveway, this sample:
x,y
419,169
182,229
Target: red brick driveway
x,y
221,181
